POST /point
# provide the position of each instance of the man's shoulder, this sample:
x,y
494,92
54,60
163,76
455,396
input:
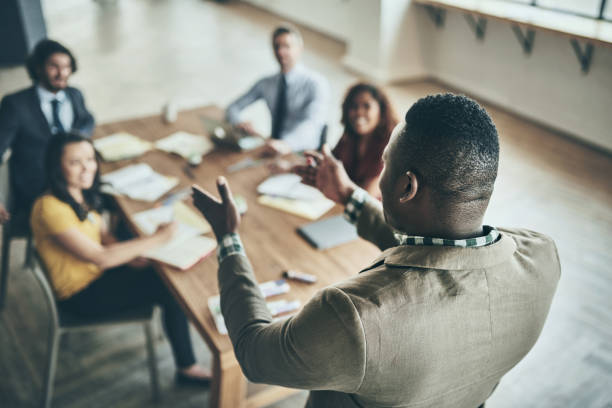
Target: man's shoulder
x,y
70,90
312,77
523,234
268,79
528,241
19,96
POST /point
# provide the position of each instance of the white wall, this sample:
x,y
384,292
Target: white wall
x,y
547,86
331,17
392,40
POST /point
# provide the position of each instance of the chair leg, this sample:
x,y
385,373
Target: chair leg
x,y
4,269
29,255
54,341
152,359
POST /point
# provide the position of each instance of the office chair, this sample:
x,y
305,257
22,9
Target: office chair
x,y
62,322
17,227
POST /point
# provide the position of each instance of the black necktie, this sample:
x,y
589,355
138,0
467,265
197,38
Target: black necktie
x,y
280,109
57,124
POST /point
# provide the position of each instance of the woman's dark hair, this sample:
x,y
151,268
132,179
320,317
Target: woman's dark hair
x,y
56,182
388,117
42,51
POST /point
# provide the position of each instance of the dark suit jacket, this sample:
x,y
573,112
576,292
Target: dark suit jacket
x,y
25,130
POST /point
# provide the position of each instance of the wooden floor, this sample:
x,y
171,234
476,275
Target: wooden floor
x,y
547,182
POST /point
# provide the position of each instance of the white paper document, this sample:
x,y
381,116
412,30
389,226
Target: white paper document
x,y
139,182
289,186
149,220
185,144
183,251
121,145
287,193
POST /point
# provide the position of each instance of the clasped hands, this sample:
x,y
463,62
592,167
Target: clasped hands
x,y
321,170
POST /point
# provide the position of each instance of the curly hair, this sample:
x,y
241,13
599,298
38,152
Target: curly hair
x,y
388,117
42,51
451,142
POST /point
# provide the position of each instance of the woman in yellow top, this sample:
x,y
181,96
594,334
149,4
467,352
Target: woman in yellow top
x,y
93,274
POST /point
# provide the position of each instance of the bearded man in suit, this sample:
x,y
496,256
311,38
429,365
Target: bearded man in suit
x,y
28,119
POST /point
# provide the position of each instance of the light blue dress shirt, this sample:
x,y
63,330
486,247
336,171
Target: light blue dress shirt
x,y
66,113
307,105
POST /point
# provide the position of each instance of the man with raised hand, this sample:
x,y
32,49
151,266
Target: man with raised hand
x,y
296,97
440,316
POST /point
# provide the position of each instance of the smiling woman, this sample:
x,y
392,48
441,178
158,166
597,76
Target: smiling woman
x,y
368,119
92,274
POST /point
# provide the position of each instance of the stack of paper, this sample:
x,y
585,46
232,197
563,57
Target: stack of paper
x,y
139,182
185,144
187,247
121,145
286,192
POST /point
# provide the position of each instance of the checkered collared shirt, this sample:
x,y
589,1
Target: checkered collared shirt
x,y
230,244
359,197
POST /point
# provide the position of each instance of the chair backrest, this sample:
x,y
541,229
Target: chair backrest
x,y
40,274
5,183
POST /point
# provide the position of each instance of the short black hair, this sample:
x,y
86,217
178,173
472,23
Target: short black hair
x,y
452,145
56,182
287,28
42,51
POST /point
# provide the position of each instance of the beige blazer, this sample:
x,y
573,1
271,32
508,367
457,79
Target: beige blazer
x,y
422,326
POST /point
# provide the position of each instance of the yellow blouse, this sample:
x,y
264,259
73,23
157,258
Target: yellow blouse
x,y
68,273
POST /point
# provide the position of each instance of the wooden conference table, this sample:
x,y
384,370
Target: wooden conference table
x,y
269,236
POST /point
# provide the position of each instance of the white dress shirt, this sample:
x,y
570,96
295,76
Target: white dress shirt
x,y
307,106
66,113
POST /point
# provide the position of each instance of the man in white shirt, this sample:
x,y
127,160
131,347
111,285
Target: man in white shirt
x,y
297,98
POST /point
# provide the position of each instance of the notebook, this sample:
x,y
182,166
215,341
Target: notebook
x,y
120,146
329,232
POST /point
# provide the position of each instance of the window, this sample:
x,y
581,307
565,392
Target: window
x,y
585,8
589,8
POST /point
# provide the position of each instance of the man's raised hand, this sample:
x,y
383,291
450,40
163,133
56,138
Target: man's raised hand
x,y
326,173
222,215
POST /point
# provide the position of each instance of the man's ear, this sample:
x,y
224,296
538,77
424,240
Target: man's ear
x,y
410,185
